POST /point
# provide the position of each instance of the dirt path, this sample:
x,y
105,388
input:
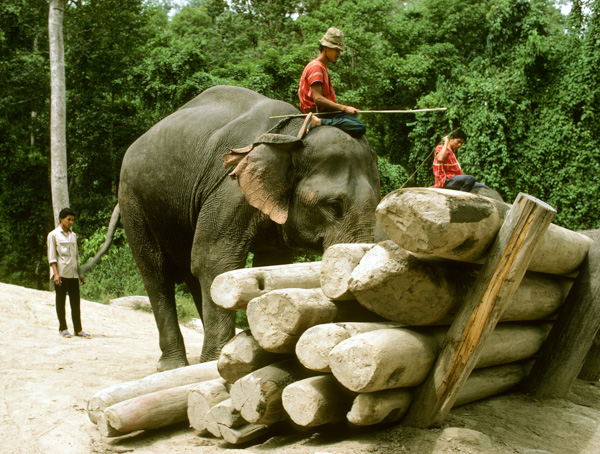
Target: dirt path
x,y
47,380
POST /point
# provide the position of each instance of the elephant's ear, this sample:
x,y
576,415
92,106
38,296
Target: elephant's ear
x,y
262,173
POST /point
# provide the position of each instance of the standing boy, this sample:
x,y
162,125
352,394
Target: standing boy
x,y
63,257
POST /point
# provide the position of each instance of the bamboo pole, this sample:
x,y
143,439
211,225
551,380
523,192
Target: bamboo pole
x,y
435,109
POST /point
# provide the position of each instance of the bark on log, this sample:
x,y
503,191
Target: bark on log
x,y
151,411
245,433
234,289
315,401
336,267
242,355
399,286
257,396
402,357
316,343
467,338
152,383
278,319
572,335
391,405
462,226
202,398
225,414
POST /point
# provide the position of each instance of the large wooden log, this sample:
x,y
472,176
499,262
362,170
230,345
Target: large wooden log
x,y
202,398
212,426
315,401
257,396
316,343
225,414
150,411
152,383
391,405
572,335
105,428
242,355
278,319
591,366
467,337
462,226
234,289
403,357
336,267
402,287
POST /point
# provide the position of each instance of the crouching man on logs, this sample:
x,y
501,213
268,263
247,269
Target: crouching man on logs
x,y
446,169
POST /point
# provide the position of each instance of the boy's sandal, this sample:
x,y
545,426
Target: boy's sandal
x,y
82,334
65,333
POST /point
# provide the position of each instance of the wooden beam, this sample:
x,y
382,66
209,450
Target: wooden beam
x,y
498,279
563,354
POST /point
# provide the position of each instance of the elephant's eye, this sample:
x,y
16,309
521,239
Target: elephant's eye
x,y
336,207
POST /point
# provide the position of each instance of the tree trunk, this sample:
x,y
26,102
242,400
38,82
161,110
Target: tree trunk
x,y
257,396
316,343
234,289
58,110
403,357
242,355
152,383
315,401
562,356
405,288
462,226
391,405
202,398
467,340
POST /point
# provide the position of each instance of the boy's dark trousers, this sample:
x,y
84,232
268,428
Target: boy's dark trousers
x,y
69,286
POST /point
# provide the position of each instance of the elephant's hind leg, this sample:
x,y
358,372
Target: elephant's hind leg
x,y
157,275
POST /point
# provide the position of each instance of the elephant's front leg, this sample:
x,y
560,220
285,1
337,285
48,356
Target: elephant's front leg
x,y
208,263
219,324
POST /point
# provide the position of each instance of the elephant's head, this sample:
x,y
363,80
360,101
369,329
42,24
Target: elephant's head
x,y
323,189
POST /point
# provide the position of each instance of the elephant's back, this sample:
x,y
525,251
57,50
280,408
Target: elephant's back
x,y
219,117
179,158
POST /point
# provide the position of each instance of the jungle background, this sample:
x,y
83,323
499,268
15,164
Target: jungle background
x,y
520,77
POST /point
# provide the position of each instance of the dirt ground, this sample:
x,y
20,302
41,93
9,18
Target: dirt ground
x,y
46,382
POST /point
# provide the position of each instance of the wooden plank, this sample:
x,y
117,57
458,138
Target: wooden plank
x,y
498,279
563,354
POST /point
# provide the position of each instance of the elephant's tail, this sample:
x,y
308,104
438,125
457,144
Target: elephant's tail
x,y
112,226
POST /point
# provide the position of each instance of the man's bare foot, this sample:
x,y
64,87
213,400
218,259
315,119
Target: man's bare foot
x,y
314,122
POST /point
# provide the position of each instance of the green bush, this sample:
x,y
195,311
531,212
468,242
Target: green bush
x,y
391,176
116,275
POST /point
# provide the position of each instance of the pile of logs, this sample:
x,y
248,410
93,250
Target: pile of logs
x,y
352,337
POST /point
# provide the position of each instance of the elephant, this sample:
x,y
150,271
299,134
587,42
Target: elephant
x,y
218,179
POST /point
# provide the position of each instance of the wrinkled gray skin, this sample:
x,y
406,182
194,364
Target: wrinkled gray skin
x,y
186,221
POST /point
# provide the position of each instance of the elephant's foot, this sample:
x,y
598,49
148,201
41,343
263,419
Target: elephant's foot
x,y
171,363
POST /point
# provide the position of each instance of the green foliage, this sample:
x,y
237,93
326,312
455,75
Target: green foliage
x,y
116,275
519,77
391,176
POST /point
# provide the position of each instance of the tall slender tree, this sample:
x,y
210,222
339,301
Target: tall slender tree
x,y
58,109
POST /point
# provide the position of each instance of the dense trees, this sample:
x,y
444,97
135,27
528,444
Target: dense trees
x,y
519,77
